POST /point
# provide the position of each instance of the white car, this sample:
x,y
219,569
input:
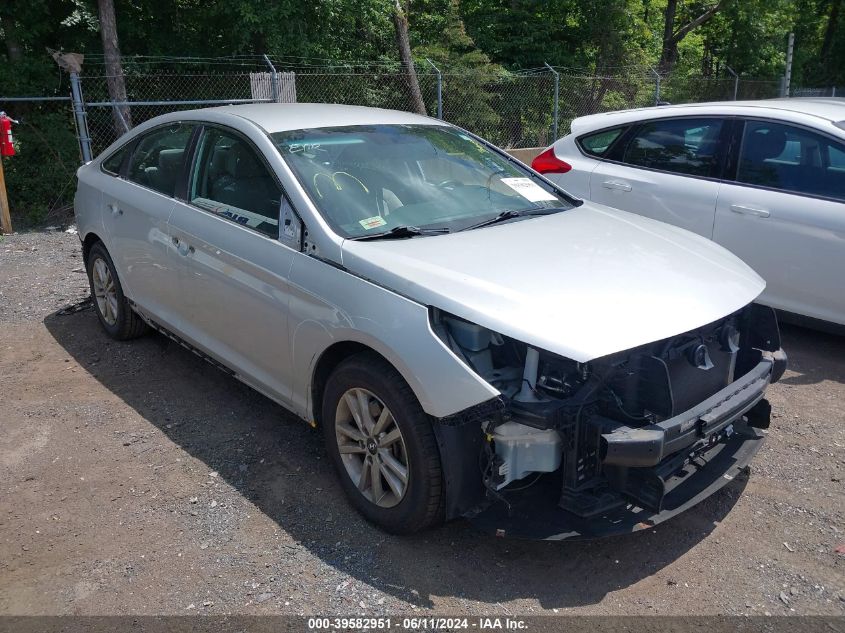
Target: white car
x,y
765,179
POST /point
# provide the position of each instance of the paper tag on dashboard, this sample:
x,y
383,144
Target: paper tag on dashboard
x,y
528,189
373,222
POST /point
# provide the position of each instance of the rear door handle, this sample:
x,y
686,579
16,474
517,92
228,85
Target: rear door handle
x,y
616,184
181,246
115,210
746,210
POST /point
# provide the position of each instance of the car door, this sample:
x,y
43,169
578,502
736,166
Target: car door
x,y
136,207
234,268
666,169
784,214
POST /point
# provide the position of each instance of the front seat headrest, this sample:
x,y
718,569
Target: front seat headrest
x,y
764,143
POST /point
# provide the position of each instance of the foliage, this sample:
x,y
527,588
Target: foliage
x,y
472,41
40,178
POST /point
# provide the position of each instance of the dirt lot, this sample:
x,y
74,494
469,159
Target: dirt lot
x,y
135,479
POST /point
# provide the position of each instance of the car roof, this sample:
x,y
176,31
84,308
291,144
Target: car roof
x,y
831,109
281,117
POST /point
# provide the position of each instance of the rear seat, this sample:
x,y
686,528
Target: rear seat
x,y
163,177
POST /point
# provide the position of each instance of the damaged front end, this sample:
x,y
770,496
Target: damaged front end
x,y
612,445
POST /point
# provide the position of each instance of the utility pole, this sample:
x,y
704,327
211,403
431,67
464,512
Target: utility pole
x,y
787,77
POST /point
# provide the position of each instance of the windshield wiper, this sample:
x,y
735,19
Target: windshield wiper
x,y
509,214
401,231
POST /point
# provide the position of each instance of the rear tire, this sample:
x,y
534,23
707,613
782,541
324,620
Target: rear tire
x,y
115,314
394,435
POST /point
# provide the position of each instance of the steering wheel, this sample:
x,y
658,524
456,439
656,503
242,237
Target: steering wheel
x,y
334,183
450,183
348,176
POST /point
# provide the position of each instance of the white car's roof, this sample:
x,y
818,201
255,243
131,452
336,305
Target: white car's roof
x,y
280,117
829,109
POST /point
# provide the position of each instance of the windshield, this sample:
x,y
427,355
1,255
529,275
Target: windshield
x,y
367,180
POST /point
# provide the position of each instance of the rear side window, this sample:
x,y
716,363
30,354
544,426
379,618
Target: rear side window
x,y
112,164
792,159
159,157
599,143
231,180
682,146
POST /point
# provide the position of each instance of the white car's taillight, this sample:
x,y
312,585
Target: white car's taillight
x,y
548,163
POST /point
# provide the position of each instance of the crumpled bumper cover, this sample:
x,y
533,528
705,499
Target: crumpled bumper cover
x,y
648,446
719,434
536,515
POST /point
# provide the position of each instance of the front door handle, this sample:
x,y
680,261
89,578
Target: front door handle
x,y
746,210
115,210
617,185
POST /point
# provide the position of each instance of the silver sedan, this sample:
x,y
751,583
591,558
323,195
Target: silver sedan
x,y
472,340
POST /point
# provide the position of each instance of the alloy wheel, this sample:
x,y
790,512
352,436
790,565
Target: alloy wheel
x,y
105,291
371,447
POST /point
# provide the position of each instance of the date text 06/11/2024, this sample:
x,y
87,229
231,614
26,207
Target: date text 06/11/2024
x,y
432,623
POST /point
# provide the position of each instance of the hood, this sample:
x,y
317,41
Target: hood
x,y
582,283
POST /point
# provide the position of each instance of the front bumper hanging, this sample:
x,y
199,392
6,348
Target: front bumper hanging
x,y
653,473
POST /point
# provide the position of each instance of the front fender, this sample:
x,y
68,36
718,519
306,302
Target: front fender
x,y
347,308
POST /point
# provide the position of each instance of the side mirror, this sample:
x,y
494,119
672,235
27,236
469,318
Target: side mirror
x,y
290,233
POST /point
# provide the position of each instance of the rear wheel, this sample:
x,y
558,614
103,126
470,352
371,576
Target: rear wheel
x,y
382,445
113,310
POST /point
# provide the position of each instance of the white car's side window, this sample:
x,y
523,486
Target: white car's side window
x,y
159,157
791,159
230,180
598,143
112,164
683,146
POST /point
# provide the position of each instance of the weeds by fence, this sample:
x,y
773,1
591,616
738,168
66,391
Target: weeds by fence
x,y
512,109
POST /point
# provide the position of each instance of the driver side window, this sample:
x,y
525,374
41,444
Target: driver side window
x,y
232,181
159,157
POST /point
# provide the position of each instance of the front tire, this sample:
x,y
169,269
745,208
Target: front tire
x,y
113,310
382,445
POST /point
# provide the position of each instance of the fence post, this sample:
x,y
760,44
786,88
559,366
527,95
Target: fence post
x,y
274,78
555,107
656,85
439,88
736,80
80,116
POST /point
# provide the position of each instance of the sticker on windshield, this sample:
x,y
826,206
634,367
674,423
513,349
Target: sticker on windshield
x,y
528,189
373,222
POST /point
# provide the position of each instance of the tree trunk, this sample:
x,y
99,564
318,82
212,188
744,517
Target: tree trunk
x,y
114,69
672,37
13,49
830,30
669,52
13,45
400,21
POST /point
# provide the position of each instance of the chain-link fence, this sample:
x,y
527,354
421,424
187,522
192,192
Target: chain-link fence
x,y
152,94
511,109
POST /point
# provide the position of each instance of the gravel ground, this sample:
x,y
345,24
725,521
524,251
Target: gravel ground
x,y
137,479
